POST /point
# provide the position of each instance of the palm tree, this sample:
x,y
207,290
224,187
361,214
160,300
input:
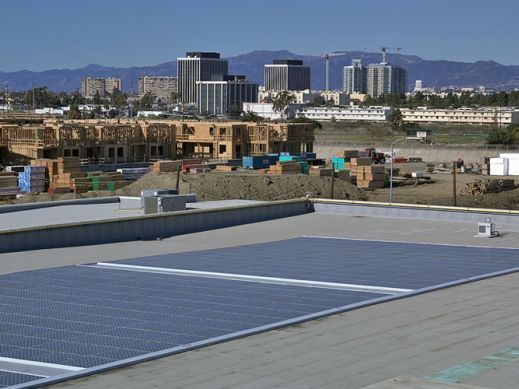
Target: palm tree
x,y
281,101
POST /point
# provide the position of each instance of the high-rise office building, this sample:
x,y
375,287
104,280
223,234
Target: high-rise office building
x,y
217,96
354,78
160,88
198,66
287,74
105,87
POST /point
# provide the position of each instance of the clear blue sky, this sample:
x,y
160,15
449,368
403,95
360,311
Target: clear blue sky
x,y
46,34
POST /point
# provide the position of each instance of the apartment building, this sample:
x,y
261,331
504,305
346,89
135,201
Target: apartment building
x,y
160,88
374,79
354,77
195,67
286,74
105,87
489,116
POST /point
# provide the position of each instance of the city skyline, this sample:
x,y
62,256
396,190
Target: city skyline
x,y
66,35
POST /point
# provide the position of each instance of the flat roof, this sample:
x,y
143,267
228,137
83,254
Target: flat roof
x,y
420,337
62,214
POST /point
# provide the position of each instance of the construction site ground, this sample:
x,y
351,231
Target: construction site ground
x,y
438,190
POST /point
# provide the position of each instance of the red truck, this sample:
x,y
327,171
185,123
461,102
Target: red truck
x,y
376,156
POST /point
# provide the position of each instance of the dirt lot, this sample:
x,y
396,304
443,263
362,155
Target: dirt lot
x,y
220,186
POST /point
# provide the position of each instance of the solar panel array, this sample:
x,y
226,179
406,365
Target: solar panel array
x,y
82,316
398,265
86,316
8,378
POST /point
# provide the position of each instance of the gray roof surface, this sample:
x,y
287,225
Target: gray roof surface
x,y
128,207
416,337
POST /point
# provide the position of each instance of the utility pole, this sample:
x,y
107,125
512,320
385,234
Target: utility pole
x,y
333,181
454,183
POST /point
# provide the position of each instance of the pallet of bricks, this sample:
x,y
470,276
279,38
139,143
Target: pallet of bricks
x,y
164,166
368,176
110,181
285,168
8,185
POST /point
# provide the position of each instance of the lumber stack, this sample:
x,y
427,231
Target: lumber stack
x,y
68,169
225,168
320,172
370,177
51,166
164,166
133,174
285,168
8,184
480,187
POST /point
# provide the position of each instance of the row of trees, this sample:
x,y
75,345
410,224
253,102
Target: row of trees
x,y
466,99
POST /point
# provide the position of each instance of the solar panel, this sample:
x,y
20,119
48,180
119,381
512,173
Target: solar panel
x,y
9,379
399,265
82,316
87,316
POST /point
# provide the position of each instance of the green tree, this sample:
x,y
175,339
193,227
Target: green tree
x,y
74,112
397,121
146,102
119,101
281,101
251,116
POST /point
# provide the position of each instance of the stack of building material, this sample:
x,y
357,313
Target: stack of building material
x,y
489,186
107,181
288,158
32,179
225,168
166,166
342,161
133,174
285,168
358,161
320,171
68,170
187,164
308,155
51,167
200,169
256,162
370,177
8,184
304,167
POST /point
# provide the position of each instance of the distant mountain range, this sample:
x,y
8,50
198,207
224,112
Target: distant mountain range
x,y
433,73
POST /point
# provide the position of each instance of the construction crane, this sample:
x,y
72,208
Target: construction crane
x,y
327,56
385,49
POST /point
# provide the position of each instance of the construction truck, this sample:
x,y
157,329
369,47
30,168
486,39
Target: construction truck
x,y
376,156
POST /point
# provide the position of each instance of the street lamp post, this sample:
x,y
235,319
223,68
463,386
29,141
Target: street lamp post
x,y
391,170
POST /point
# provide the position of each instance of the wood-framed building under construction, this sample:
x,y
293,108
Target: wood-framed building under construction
x,y
127,140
